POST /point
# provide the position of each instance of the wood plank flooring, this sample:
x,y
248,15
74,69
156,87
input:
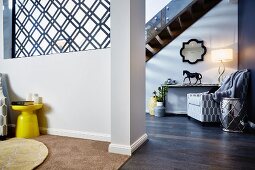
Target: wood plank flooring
x,y
178,143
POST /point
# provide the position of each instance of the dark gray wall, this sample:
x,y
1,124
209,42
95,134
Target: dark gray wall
x,y
246,24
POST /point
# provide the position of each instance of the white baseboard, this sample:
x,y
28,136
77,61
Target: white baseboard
x,y
176,112
139,142
127,149
73,133
76,134
120,149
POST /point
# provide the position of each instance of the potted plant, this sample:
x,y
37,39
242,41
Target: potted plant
x,y
160,98
160,95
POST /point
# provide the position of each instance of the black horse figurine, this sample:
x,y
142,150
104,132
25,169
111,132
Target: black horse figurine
x,y
189,75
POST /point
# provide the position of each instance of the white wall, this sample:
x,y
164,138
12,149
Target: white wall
x,y
75,88
120,73
218,29
137,70
128,76
152,7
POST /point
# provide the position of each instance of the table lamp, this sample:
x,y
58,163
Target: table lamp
x,y
222,56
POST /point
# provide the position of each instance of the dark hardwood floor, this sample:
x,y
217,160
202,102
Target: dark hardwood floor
x,y
178,143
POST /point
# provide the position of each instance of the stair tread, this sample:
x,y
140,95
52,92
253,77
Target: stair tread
x,y
178,25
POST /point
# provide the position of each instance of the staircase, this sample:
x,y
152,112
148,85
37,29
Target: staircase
x,y
171,21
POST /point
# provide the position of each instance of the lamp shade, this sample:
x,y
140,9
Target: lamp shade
x,y
222,55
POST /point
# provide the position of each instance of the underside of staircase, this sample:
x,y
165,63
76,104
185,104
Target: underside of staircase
x,y
161,30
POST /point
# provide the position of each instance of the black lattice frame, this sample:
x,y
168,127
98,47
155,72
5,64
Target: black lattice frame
x,y
27,44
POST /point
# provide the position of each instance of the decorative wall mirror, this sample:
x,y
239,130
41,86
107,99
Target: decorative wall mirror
x,y
193,51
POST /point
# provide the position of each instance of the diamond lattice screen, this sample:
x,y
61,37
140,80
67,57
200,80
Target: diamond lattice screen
x,y
57,26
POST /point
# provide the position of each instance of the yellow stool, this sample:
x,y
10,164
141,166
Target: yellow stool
x,y
27,124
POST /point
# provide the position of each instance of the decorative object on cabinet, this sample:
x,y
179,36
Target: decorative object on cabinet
x,y
169,81
193,51
189,75
222,56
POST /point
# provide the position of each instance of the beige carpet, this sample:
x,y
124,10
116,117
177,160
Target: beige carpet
x,y
21,154
71,153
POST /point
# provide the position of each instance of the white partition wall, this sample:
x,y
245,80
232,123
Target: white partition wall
x,y
127,76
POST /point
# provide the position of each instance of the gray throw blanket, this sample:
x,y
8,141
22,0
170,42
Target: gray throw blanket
x,y
232,87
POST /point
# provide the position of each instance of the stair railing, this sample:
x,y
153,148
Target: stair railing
x,y
154,26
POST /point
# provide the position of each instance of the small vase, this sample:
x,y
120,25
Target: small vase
x,y
152,104
159,110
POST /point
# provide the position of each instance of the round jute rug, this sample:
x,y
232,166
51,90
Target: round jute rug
x,y
19,153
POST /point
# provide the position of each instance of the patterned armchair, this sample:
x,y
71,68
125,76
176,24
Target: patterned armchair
x,y
202,106
3,111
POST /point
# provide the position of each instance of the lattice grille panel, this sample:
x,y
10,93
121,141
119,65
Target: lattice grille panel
x,y
57,26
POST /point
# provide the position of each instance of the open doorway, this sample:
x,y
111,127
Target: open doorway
x,y
176,142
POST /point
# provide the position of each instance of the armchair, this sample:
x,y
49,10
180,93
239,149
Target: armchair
x,y
202,107
205,107
3,111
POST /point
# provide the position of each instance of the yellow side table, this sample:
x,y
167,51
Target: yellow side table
x,y
27,124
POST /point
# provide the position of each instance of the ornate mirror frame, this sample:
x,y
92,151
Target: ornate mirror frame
x,y
193,51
